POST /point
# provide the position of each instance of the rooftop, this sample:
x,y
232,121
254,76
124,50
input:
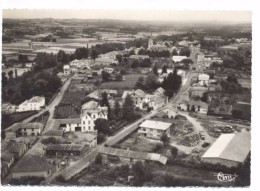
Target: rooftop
x,y
36,99
234,147
31,163
69,121
89,105
133,154
155,125
65,147
15,127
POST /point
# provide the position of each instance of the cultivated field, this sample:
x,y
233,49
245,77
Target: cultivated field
x,y
127,84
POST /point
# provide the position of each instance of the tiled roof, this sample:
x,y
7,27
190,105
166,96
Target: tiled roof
x,y
155,125
36,99
31,163
69,121
89,105
65,147
133,154
15,127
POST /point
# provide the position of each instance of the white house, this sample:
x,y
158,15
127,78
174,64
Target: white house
x,y
154,129
66,70
82,63
203,79
109,70
90,112
35,103
178,58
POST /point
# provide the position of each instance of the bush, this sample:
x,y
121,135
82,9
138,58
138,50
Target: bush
x,y
205,144
60,178
157,147
98,159
50,140
100,138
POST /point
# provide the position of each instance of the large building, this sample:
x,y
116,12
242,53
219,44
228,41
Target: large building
x,y
229,150
34,104
23,129
154,129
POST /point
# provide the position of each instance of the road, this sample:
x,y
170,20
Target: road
x,y
52,105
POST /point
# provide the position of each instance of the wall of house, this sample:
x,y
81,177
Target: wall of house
x,y
30,132
43,174
71,127
152,133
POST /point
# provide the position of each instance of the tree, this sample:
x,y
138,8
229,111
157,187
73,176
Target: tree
x,y
237,113
98,159
164,69
118,77
100,137
142,173
174,152
135,64
94,54
10,74
4,79
232,78
117,108
102,126
104,102
204,97
128,109
165,139
105,76
62,57
155,70
140,83
15,72
151,81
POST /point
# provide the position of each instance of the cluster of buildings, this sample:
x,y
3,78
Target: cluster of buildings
x,y
36,103
143,100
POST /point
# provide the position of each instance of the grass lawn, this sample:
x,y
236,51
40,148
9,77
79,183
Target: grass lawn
x,y
127,84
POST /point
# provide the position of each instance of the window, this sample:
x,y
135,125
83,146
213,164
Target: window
x,y
89,122
83,122
32,129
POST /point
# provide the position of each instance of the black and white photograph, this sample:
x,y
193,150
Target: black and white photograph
x,y
126,98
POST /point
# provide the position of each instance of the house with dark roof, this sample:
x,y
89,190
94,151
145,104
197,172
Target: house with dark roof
x,y
66,149
14,147
23,129
30,165
138,97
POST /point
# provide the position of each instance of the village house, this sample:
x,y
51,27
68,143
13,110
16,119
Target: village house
x,y
90,112
70,124
230,150
178,58
170,113
139,56
8,108
195,106
83,63
105,61
154,129
66,70
203,79
30,165
108,70
138,97
197,91
33,104
23,129
65,149
14,147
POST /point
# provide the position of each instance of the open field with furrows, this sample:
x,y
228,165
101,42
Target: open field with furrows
x,y
73,97
64,111
127,84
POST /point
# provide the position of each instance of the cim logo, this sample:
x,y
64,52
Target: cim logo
x,y
225,177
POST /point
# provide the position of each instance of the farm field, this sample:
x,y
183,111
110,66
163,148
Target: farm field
x,y
63,111
73,97
127,84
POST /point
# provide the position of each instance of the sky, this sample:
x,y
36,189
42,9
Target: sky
x,y
146,15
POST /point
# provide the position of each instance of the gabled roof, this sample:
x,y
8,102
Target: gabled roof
x,y
65,147
15,127
69,121
159,90
155,125
89,105
133,154
31,163
36,99
234,147
139,93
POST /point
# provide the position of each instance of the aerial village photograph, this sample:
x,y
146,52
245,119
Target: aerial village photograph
x,y
125,102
